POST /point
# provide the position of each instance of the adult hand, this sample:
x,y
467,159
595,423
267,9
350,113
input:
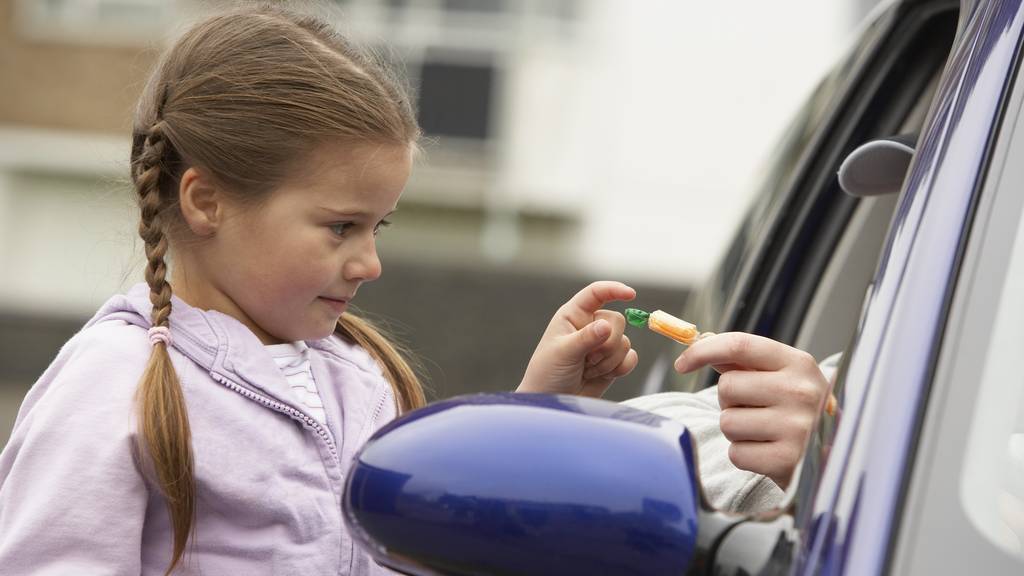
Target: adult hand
x,y
771,395
583,349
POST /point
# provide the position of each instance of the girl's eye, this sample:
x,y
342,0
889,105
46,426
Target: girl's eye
x,y
341,228
382,224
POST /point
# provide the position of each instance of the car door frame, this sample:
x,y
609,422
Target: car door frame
x,y
886,379
937,533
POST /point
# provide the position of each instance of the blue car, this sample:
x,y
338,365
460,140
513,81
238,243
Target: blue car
x,y
890,229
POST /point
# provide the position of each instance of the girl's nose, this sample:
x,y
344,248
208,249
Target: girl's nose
x,y
364,266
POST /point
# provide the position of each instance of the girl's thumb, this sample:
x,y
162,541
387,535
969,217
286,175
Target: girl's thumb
x,y
591,336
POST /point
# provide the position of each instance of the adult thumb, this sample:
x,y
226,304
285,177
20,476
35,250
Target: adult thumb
x,y
589,337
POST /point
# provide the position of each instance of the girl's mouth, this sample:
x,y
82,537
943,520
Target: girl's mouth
x,y
336,304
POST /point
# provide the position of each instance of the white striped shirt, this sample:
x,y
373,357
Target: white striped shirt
x,y
293,360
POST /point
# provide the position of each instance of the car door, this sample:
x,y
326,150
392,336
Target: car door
x,y
964,507
857,475
812,287
879,459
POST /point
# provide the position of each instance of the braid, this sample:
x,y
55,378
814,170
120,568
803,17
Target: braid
x,y
151,229
163,417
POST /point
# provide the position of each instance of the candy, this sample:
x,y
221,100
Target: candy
x,y
668,325
665,324
683,332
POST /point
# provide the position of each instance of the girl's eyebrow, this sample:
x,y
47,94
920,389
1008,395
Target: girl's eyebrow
x,y
351,214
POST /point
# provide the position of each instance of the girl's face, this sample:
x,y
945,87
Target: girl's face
x,y
289,266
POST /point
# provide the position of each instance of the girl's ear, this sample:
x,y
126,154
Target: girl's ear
x,y
202,204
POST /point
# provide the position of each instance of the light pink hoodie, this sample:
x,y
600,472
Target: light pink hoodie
x,y
269,477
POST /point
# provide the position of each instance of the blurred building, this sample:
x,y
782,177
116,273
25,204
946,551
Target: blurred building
x,y
568,140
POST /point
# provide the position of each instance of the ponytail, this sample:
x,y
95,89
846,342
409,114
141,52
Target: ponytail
x,y
406,386
163,418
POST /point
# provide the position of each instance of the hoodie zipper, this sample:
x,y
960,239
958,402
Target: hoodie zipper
x,y
376,415
306,419
311,423
372,426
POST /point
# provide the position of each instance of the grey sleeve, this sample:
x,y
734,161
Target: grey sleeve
x,y
726,486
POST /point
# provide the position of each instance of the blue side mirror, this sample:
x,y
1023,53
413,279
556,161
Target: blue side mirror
x,y
527,484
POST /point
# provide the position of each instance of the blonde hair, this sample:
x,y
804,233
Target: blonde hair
x,y
245,95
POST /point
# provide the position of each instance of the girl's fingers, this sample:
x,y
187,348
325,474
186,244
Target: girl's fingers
x,y
628,364
596,387
612,344
592,336
581,308
736,350
610,362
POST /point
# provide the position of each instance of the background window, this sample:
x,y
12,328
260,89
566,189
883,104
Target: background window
x,y
455,99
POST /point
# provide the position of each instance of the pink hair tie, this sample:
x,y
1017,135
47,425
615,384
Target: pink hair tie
x,y
160,334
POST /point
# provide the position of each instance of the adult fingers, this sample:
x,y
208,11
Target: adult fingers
x,y
792,390
580,308
746,388
736,350
764,425
773,459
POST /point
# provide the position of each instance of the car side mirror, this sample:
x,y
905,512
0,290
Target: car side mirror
x,y
527,484
877,167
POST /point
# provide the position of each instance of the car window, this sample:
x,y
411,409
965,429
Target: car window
x,y
906,85
706,307
834,310
826,318
780,168
772,273
776,182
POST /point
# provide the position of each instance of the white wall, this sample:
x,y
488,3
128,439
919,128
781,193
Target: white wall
x,y
651,129
676,108
67,222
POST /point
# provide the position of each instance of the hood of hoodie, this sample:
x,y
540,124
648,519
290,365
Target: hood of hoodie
x,y
269,478
216,341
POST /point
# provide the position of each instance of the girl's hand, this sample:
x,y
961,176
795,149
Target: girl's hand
x,y
771,395
583,349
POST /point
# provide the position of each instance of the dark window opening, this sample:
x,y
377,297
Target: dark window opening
x,y
455,99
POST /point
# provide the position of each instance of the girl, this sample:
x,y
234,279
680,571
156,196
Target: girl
x,y
204,421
